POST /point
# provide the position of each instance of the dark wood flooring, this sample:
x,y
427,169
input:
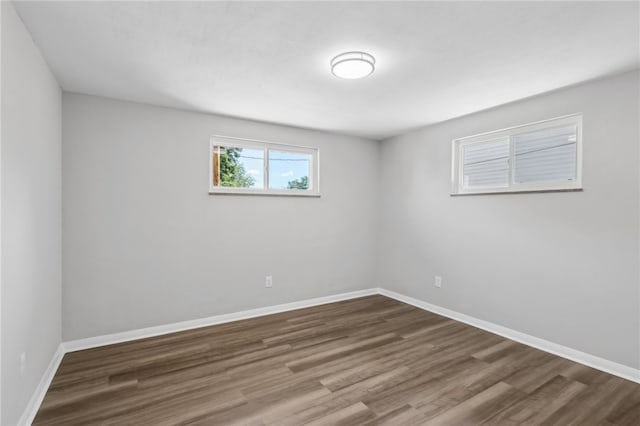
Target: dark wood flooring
x,y
367,361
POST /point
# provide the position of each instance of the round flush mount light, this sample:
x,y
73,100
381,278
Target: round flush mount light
x,y
352,65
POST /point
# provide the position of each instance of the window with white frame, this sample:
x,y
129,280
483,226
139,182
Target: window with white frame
x,y
542,156
244,166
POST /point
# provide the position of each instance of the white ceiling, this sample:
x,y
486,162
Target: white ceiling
x,y
270,60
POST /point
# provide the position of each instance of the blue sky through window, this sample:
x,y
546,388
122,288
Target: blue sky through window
x,y
287,166
283,167
253,162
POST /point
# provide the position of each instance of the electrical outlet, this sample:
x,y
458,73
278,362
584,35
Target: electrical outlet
x,y
438,281
23,363
268,282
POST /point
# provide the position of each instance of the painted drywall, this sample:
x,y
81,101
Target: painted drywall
x,y
559,266
144,244
31,215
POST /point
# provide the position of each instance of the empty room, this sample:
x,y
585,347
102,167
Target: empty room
x,y
320,213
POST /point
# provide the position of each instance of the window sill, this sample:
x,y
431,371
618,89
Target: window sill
x,y
520,191
264,193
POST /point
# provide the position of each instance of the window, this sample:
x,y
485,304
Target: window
x,y
242,166
542,156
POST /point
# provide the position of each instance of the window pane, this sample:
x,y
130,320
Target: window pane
x,y
238,167
546,155
485,164
289,170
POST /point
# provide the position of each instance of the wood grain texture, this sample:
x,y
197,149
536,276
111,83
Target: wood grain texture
x,y
367,361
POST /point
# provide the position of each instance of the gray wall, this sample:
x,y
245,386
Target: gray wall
x,y
144,243
31,215
559,266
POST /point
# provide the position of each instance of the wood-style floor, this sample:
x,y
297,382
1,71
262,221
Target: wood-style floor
x,y
368,361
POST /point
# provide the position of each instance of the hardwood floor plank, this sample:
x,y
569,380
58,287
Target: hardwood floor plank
x,y
403,416
354,414
540,404
479,407
627,412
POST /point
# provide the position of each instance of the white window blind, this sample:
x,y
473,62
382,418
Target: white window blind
x,y
534,157
486,164
547,155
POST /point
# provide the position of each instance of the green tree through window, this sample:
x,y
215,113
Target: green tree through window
x,y
302,183
232,172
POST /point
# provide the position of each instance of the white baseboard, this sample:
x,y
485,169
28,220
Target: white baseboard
x,y
29,413
602,364
125,336
596,362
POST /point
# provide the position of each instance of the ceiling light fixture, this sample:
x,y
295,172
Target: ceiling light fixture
x,y
352,65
